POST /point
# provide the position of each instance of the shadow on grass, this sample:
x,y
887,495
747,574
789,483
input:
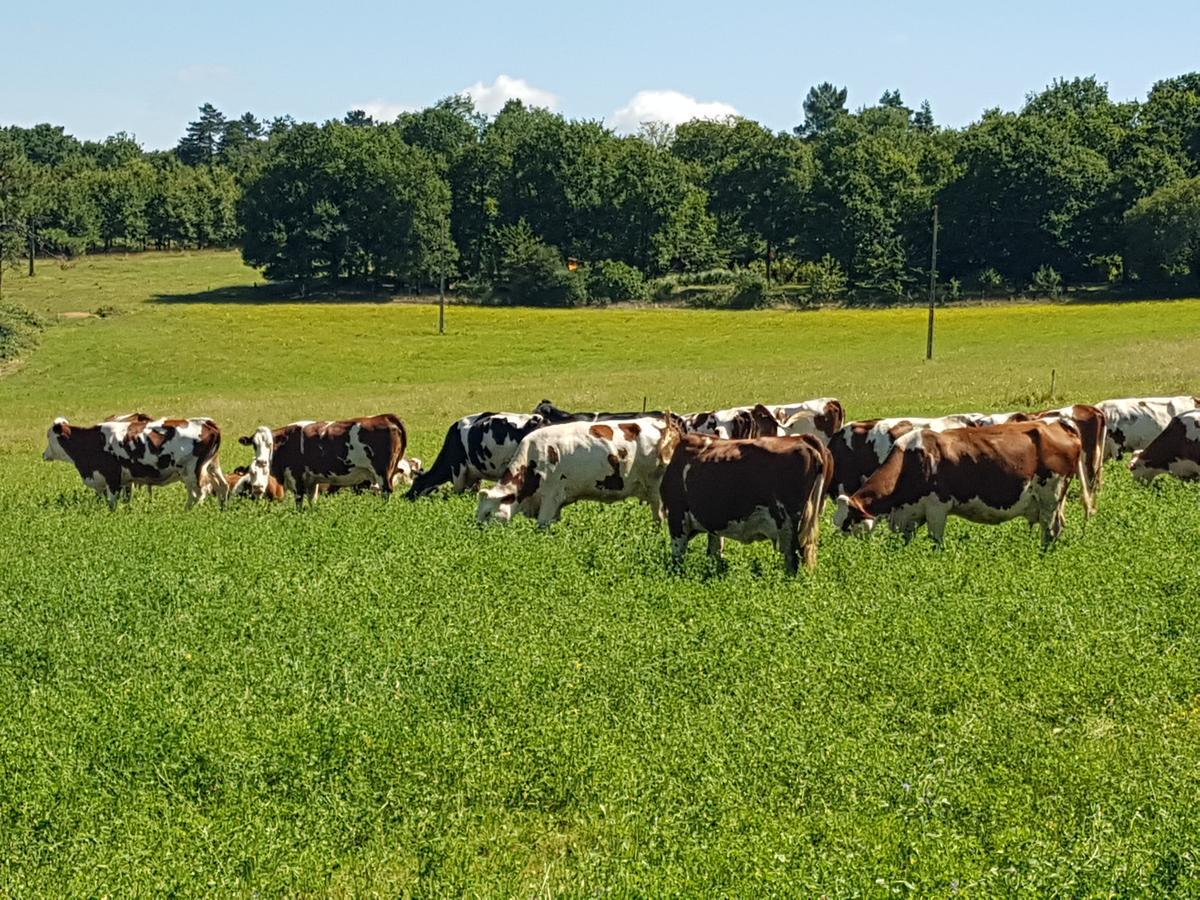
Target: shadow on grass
x,y
253,294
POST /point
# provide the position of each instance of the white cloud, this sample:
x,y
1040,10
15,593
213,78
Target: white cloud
x,y
670,107
490,98
203,73
382,110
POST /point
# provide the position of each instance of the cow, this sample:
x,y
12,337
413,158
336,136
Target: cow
x,y
113,456
475,447
127,491
860,448
1092,425
823,417
307,455
255,480
987,474
1174,452
1133,422
765,488
558,465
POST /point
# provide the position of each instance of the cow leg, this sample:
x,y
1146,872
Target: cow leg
x,y
127,493
548,512
716,547
679,545
935,520
299,487
791,547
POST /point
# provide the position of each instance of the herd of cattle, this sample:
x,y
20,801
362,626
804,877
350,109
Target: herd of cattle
x,y
749,473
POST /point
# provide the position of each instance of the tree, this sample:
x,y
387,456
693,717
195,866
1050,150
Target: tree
x,y
891,100
822,107
922,119
1162,232
340,201
18,186
201,141
358,118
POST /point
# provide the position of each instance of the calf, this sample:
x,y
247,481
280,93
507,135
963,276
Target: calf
x,y
1174,452
255,480
113,456
989,474
1134,422
307,455
767,488
558,465
475,447
239,482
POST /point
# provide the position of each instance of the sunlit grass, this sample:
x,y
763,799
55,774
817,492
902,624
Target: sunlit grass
x,y
382,697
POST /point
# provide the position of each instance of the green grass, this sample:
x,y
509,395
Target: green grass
x,y
383,698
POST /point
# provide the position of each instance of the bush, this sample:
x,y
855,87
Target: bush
x,y
708,276
19,330
610,280
1047,282
954,289
990,281
825,279
532,273
750,291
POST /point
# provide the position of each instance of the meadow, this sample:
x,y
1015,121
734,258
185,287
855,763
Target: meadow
x,y
382,698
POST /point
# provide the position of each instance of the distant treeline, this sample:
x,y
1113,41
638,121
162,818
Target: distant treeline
x,y
530,207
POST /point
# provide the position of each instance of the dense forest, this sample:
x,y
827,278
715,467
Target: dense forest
x,y
530,207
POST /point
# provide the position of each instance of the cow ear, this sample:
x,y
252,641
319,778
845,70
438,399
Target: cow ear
x,y
246,440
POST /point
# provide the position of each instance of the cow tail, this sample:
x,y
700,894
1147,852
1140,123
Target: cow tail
x,y
394,460
211,468
1085,485
1098,445
810,527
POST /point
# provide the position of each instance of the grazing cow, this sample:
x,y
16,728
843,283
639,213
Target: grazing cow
x,y
738,422
767,488
307,455
989,474
560,464
476,447
113,456
1136,421
822,417
1174,452
860,448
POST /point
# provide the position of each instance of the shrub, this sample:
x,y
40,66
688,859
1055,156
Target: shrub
x,y
1109,266
954,289
532,272
990,281
750,291
610,280
708,276
825,279
19,330
1047,282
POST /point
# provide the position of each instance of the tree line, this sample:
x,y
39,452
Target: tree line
x,y
528,206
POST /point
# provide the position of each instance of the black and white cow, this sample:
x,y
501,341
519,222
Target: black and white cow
x,y
475,447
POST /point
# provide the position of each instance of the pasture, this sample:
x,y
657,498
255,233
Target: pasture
x,y
382,698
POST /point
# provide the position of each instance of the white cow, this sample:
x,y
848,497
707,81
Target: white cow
x,y
1133,422
558,465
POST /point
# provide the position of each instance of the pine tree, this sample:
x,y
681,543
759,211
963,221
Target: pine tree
x,y
202,140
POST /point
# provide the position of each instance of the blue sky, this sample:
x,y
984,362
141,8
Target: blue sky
x,y
145,67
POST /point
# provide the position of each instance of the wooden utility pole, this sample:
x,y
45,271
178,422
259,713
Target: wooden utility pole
x,y
32,247
442,302
932,286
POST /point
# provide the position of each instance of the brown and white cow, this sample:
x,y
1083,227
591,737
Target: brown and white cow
x,y
989,475
255,480
1092,424
307,455
860,448
766,488
558,465
822,416
113,456
1133,422
1174,452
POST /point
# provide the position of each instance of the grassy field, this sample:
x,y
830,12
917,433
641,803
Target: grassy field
x,y
383,698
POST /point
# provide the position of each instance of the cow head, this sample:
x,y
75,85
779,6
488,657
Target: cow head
x,y
669,439
406,471
58,433
263,442
496,503
804,422
1142,470
851,518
